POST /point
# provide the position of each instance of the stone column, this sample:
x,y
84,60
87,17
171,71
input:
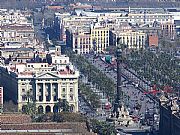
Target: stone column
x,y
67,91
59,90
44,90
51,92
36,92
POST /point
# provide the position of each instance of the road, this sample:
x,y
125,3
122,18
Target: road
x,y
138,102
87,111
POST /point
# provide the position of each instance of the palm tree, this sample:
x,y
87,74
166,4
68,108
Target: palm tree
x,y
30,107
63,105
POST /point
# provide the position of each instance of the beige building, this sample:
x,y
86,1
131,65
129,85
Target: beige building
x,y
100,38
69,21
42,83
11,33
133,39
88,39
150,17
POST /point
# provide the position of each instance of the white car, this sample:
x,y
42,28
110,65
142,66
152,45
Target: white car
x,y
136,85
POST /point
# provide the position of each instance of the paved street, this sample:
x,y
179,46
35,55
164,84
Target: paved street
x,y
137,98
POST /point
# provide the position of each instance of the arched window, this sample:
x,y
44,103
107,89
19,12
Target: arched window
x,y
48,109
55,109
24,109
71,108
40,109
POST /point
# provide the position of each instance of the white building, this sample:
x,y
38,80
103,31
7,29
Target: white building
x,y
133,39
87,39
42,83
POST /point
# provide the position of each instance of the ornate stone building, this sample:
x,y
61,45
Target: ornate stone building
x,y
41,83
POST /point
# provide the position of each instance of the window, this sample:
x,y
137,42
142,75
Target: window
x,y
24,98
23,90
63,96
41,65
63,89
71,97
71,89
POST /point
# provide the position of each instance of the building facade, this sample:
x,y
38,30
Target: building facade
x,y
133,39
153,40
100,38
46,88
169,116
41,83
1,99
88,39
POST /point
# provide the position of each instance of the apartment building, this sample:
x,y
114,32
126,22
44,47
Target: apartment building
x,y
17,17
41,83
87,39
168,30
133,39
150,17
12,33
79,39
100,38
16,29
64,21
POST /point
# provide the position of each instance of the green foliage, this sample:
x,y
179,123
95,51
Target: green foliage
x,y
30,109
90,95
63,105
61,117
102,127
160,69
94,75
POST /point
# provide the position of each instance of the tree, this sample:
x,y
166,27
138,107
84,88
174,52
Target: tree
x,y
102,128
30,107
63,105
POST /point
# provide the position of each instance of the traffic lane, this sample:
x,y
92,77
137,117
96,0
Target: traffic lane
x,y
138,98
145,105
85,109
100,64
126,72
